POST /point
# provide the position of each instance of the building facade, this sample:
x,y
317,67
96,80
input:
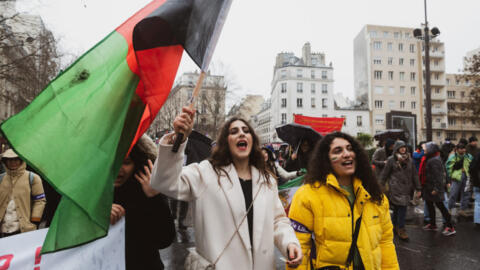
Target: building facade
x,y
388,69
249,106
301,85
210,104
461,121
262,123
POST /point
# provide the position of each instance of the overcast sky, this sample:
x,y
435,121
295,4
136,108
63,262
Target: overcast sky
x,y
256,30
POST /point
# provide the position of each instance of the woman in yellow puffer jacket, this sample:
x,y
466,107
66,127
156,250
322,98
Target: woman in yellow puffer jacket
x,y
340,189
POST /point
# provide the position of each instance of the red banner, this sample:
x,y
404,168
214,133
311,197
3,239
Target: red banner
x,y
323,125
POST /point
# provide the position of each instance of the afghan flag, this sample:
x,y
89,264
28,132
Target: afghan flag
x,y
77,132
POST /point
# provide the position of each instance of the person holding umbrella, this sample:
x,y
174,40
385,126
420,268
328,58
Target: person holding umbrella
x,y
238,217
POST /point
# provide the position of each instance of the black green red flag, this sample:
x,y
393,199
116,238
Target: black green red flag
x,y
79,129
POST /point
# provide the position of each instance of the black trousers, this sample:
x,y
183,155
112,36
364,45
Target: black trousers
x,y
446,215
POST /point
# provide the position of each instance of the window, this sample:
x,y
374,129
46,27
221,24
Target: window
x,y
462,94
385,34
402,76
437,90
284,103
457,82
313,102
377,45
283,74
344,120
299,73
324,88
389,46
435,62
390,60
412,76
451,121
437,76
402,90
451,106
438,120
324,103
373,33
391,90
359,121
407,35
396,34
400,47
390,75
448,81
324,115
378,104
377,74
412,48
379,90
452,135
299,103
312,88
400,61
412,90
312,74
283,88
412,62
402,104
379,119
414,105
451,94
324,75
377,61
299,87
284,118
467,82
391,104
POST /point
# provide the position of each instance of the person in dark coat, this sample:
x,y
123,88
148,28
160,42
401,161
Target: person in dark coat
x,y
434,188
475,186
299,160
472,147
379,158
402,177
149,225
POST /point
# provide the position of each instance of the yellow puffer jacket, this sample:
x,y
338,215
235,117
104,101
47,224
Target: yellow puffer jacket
x,y
325,210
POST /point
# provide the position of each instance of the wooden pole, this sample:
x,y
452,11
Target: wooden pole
x,y
196,91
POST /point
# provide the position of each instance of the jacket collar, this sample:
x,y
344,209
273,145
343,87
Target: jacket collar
x,y
360,192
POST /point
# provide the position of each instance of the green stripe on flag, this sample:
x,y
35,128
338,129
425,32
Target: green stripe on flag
x,y
70,134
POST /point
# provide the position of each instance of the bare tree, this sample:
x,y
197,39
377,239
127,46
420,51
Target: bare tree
x,y
471,76
28,62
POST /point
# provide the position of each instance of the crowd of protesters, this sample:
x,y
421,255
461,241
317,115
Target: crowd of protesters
x,y
345,205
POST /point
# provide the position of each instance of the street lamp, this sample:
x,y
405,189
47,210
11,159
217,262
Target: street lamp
x,y
425,36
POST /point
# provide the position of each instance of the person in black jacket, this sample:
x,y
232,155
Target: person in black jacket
x,y
434,188
475,185
149,224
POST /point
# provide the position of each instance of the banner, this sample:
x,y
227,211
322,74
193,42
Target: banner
x,y
288,189
22,251
322,125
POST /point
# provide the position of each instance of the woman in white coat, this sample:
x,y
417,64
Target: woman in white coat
x,y
221,190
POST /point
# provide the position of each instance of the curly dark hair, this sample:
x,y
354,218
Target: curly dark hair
x,y
320,165
222,157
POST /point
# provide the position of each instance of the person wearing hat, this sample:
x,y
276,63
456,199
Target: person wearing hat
x,y
402,177
457,167
22,199
149,224
472,148
379,158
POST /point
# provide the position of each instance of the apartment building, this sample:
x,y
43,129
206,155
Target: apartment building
x,y
461,122
388,68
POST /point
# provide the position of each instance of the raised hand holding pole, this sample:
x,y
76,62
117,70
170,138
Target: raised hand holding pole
x,y
196,91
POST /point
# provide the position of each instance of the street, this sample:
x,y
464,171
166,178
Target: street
x,y
425,250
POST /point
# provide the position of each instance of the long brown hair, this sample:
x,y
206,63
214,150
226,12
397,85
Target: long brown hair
x,y
222,157
320,165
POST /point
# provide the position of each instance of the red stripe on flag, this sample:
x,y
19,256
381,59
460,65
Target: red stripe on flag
x,y
158,68
126,30
323,125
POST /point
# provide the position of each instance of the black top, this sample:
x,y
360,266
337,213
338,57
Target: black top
x,y
247,193
148,226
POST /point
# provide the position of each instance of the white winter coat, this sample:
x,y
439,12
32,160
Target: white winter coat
x,y
216,215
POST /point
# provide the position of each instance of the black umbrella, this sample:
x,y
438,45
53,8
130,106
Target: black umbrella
x,y
198,147
294,133
390,134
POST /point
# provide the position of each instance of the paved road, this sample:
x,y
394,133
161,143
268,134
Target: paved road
x,y
425,250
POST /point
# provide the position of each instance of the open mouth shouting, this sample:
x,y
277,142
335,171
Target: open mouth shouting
x,y
242,145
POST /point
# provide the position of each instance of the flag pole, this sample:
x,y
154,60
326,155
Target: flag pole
x,y
196,91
